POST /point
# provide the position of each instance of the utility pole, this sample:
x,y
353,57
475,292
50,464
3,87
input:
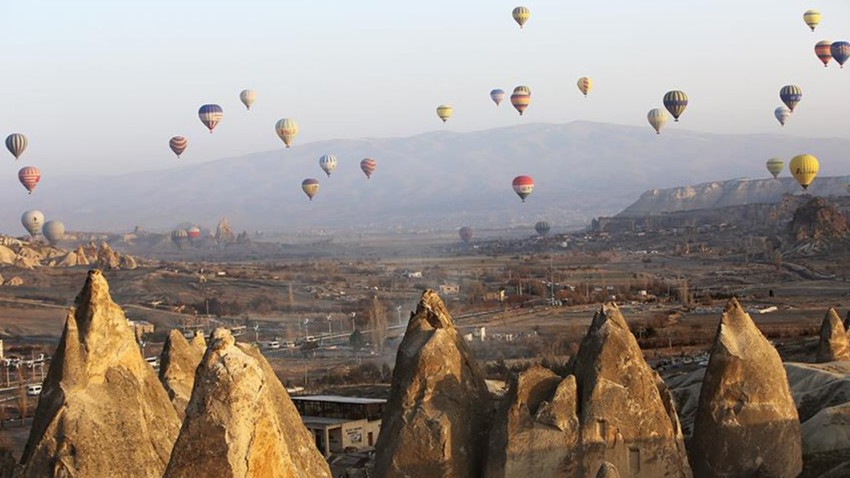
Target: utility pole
x,y
398,311
330,331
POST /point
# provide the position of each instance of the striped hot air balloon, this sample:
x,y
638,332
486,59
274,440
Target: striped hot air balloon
x,y
445,112
178,145
782,114
465,234
523,186
791,96
804,168
247,97
657,118
841,52
16,143
676,102
521,98
584,85
497,96
210,116
542,228
29,177
328,163
775,166
521,15
368,167
286,130
812,18
823,49
310,186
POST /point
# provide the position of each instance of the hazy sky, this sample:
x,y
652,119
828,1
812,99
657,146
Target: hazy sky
x,y
100,86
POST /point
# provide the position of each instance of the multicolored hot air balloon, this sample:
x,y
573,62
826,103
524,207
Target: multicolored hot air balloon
x,y
657,118
29,177
465,234
310,187
676,102
804,168
584,85
247,97
16,143
791,96
775,166
32,221
542,228
179,236
193,232
523,186
823,49
812,18
521,98
178,145
368,167
210,116
53,231
497,96
445,112
286,130
521,15
782,114
328,163
841,52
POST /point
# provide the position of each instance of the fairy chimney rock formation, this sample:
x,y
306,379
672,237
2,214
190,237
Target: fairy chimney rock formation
x,y
625,410
834,344
199,342
102,411
240,422
436,420
82,260
746,422
223,232
177,369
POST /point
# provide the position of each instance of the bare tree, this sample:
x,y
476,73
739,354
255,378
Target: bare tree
x,y
377,315
22,396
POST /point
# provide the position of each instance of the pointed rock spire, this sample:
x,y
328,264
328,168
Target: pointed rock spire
x,y
834,344
177,369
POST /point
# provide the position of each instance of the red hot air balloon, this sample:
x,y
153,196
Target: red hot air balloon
x,y
823,49
368,167
523,186
465,234
193,232
29,177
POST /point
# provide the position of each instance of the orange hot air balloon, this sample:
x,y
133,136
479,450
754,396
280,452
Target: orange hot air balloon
x,y
523,186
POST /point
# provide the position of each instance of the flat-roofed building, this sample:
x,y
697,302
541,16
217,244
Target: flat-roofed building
x,y
341,423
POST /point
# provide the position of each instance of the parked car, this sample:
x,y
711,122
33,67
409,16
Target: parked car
x,y
34,390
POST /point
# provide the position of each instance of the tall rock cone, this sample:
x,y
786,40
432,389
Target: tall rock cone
x,y
102,411
82,260
746,422
177,369
625,411
240,422
834,344
436,420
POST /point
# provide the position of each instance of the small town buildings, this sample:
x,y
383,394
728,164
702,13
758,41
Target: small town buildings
x,y
340,424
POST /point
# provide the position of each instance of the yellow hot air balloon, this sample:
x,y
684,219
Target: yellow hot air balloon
x,y
775,166
804,168
444,112
584,85
812,18
521,15
286,129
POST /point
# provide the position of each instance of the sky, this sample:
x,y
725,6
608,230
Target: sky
x,y
100,86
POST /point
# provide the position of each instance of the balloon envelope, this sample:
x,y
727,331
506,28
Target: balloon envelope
x,y
29,177
782,114
804,168
53,231
16,143
657,118
310,187
775,166
497,96
178,144
465,234
521,98
247,97
676,102
584,85
286,130
368,167
542,228
812,18
840,50
32,221
521,15
210,115
194,232
823,49
445,112
523,186
328,163
791,96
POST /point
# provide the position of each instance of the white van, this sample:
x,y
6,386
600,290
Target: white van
x,y
269,344
34,390
153,361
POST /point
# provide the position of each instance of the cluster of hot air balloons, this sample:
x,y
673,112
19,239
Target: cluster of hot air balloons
x,y
29,176
33,222
675,102
210,115
804,168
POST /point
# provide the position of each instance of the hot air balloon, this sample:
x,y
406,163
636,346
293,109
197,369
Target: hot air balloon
x,y
497,96
16,143
823,49
841,52
523,186
53,231
29,177
584,85
791,96
542,228
657,118
178,145
520,98
328,163
775,166
521,15
310,187
32,221
812,18
676,102
286,129
368,167
444,112
178,236
210,116
804,168
193,232
247,97
782,114
465,234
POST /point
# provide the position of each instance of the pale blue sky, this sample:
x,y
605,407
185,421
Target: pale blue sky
x,y
100,86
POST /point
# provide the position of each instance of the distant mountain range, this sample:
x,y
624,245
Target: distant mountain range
x,y
436,180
